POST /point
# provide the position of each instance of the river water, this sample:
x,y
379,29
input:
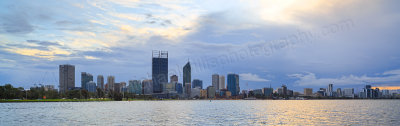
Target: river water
x,y
204,112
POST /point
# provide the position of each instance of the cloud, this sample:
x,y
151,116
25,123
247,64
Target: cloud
x,y
310,79
252,77
44,43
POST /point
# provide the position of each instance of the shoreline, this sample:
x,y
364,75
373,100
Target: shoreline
x,y
105,100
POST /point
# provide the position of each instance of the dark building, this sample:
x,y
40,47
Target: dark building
x,y
85,78
159,70
197,83
187,74
233,84
284,90
66,77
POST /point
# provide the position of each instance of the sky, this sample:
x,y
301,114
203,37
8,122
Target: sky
x,y
299,43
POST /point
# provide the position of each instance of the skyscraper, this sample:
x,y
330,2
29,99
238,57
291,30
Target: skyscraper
x,y
66,77
159,70
233,84
111,83
135,87
197,83
215,81
221,82
85,78
329,92
187,74
100,82
174,78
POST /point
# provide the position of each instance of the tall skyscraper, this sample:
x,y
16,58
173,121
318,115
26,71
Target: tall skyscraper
x,y
329,92
66,77
100,82
111,83
339,92
233,84
221,82
159,70
215,81
197,83
85,78
174,79
187,74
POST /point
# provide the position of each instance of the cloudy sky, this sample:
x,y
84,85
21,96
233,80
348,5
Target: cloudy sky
x,y
305,43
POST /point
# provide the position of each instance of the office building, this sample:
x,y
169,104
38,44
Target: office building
x,y
221,82
91,86
111,83
174,79
258,92
339,92
195,92
159,70
268,91
308,91
187,74
215,81
329,92
203,93
187,89
147,87
284,90
179,88
66,77
85,78
197,83
348,92
233,84
210,92
170,88
100,82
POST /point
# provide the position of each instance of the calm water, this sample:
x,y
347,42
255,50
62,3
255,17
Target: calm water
x,y
204,112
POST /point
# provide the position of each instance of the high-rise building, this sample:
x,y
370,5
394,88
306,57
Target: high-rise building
x,y
135,87
174,79
159,70
91,86
100,82
308,91
211,91
117,87
268,91
233,84
197,83
284,90
85,78
187,89
66,77
222,82
187,74
348,92
147,86
215,81
111,83
169,88
329,92
339,92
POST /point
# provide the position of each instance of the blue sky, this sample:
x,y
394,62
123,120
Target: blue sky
x,y
349,43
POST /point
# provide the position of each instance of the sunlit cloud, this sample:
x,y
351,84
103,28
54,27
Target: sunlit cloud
x,y
252,77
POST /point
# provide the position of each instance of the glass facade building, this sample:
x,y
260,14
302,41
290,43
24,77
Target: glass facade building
x,y
233,84
159,70
197,83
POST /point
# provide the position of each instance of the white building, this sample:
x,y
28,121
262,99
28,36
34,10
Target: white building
x,y
222,82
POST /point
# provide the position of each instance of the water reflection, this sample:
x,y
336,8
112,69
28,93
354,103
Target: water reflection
x,y
203,112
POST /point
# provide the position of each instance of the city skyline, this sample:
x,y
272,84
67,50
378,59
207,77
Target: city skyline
x,y
339,45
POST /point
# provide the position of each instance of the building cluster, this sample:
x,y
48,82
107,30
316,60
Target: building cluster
x,y
158,86
283,93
